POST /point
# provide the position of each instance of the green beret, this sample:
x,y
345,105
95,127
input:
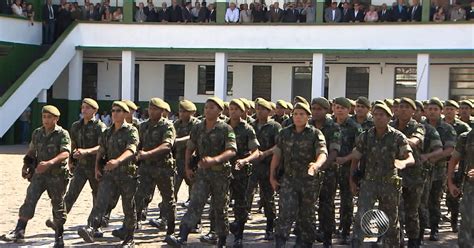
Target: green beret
x,y
364,101
385,108
451,103
408,101
131,105
467,102
217,101
266,104
388,102
245,102
419,105
91,102
157,102
290,105
122,105
301,99
238,103
187,105
343,102
321,101
51,110
303,106
282,104
436,101
167,107
425,102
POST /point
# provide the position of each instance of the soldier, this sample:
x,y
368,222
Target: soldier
x,y
465,112
166,110
386,150
245,115
413,176
296,100
289,109
450,112
214,143
226,109
85,135
280,108
350,130
438,180
301,150
45,168
362,113
116,172
267,131
130,117
464,150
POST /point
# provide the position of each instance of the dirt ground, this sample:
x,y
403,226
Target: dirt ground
x,y
13,191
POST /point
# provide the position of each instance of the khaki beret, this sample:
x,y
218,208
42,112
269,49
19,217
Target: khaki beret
x,y
187,105
131,105
408,101
436,101
91,102
245,102
122,105
257,99
252,104
353,103
425,102
266,104
282,104
290,105
364,101
303,106
301,99
158,102
388,102
274,106
396,101
217,101
167,107
467,102
51,110
343,102
378,102
321,101
451,103
238,103
419,105
226,104
385,108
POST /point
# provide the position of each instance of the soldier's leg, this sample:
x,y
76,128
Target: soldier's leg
x,y
145,186
365,202
127,189
56,188
307,209
75,187
252,184
347,207
107,190
219,190
389,195
93,183
466,229
239,185
453,202
112,202
326,210
411,203
199,194
423,209
435,205
267,199
165,182
180,175
33,193
288,210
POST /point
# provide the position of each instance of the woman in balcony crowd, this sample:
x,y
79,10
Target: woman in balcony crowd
x,y
371,15
117,16
439,16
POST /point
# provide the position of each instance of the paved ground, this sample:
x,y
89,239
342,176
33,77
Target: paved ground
x,y
13,190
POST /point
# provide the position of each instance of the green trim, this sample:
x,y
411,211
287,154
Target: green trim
x,y
425,14
319,12
128,10
221,8
32,67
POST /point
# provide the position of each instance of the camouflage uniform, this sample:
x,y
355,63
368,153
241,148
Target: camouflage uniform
x,y
380,181
280,119
46,146
412,181
287,122
214,180
84,136
298,190
120,181
368,122
465,150
158,170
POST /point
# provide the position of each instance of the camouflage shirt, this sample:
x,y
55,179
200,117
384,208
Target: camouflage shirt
x,y
367,123
182,130
465,150
470,122
459,126
332,134
115,142
448,137
287,122
46,146
350,130
153,135
280,119
380,153
432,139
246,140
297,150
86,136
266,136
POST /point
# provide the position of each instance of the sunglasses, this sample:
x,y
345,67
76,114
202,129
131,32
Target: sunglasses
x,y
116,110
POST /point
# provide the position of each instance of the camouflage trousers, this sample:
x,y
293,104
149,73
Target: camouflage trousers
x,y
466,230
119,182
327,195
238,187
261,176
453,202
423,211
163,177
215,183
388,194
346,210
297,202
438,186
180,177
82,174
408,210
55,185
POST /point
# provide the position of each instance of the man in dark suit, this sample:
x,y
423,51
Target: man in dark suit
x,y
212,13
275,14
49,22
187,15
150,12
163,13
290,14
332,14
203,14
346,11
259,14
358,14
175,13
385,15
399,12
415,11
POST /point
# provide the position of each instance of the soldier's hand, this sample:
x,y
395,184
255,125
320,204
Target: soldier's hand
x,y
142,155
189,174
341,160
71,166
42,167
25,173
275,184
399,164
470,174
453,190
354,188
240,164
78,153
423,158
312,170
111,164
98,174
206,162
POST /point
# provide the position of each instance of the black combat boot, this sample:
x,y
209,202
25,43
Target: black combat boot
x,y
280,242
120,233
327,240
413,243
239,236
269,230
58,237
16,235
181,240
454,222
86,233
434,234
128,242
221,241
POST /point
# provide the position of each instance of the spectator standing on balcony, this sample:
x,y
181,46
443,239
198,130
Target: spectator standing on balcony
x,y
64,18
347,12
358,14
212,13
415,11
97,14
275,14
301,17
90,13
107,16
457,13
332,14
49,22
385,15
150,12
117,16
232,14
203,14
140,15
439,16
17,9
290,14
195,11
259,15
75,12
187,15
175,13
470,12
399,12
163,13
309,13
371,15
245,14
30,13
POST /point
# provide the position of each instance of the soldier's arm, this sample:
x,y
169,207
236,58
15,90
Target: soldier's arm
x,y
254,154
321,154
453,163
166,145
448,144
273,168
181,139
64,149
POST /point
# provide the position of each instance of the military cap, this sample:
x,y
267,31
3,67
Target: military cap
x,y
385,108
245,102
238,103
364,101
419,105
252,104
187,105
51,110
158,102
91,102
282,104
274,106
122,105
290,105
303,106
353,103
397,101
131,105
425,102
451,103
167,107
257,99
301,99
217,101
408,101
467,102
343,102
226,104
436,101
379,102
321,101
388,102
266,104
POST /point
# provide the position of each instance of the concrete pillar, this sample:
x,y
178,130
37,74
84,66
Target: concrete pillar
x,y
422,76
128,75
128,10
220,76
74,95
319,11
43,96
221,8
318,75
425,13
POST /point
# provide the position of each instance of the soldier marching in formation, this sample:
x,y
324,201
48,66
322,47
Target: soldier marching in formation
x,y
394,152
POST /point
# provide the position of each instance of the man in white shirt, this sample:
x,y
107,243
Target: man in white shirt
x,y
232,14
17,9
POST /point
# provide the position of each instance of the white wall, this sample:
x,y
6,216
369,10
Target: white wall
x,y
439,81
108,84
152,80
381,82
242,80
281,82
337,81
20,31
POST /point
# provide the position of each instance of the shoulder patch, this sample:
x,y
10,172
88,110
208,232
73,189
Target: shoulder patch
x,y
231,135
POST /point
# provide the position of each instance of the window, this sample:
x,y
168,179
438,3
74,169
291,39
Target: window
x,y
461,83
206,80
89,80
405,82
262,82
302,81
357,82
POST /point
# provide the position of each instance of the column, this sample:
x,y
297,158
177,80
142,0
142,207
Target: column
x,y
128,10
319,11
221,7
41,101
128,75
426,7
220,76
318,75
74,95
422,76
